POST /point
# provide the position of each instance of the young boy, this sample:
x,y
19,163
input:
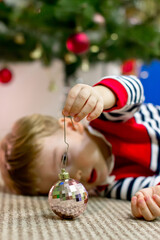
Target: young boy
x,y
117,153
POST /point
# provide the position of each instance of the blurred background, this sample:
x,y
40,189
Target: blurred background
x,y
47,46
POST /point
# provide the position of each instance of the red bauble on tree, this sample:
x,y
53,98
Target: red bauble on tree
x,y
5,75
129,67
78,43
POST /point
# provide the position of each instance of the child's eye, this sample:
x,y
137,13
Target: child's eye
x,y
64,159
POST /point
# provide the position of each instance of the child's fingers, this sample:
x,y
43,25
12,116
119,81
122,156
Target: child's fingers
x,y
142,205
96,111
134,207
80,101
153,207
88,108
72,95
138,194
156,199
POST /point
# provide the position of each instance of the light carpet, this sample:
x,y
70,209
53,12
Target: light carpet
x,y
30,218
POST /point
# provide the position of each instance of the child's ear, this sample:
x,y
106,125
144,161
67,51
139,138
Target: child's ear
x,y
75,126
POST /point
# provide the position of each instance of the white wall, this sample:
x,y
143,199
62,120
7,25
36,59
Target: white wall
x,y
28,92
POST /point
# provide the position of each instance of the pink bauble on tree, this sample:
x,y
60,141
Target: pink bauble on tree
x,y
78,43
5,75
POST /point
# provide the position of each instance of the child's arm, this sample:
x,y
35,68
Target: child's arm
x,y
146,203
84,100
129,97
120,97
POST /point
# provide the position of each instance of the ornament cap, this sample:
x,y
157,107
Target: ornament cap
x,y
64,175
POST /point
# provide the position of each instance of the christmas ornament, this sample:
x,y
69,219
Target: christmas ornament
x,y
37,52
5,75
99,19
94,48
19,38
67,198
78,43
70,58
129,67
85,65
114,36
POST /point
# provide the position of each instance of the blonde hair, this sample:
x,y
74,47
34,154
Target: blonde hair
x,y
20,148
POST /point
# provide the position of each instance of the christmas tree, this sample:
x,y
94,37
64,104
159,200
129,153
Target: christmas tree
x,y
113,30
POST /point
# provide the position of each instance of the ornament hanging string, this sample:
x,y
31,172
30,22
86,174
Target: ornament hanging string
x,y
65,155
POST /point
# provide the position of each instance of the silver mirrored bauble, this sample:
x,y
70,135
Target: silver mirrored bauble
x,y
68,198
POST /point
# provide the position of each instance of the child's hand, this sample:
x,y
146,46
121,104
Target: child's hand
x,y
146,203
83,100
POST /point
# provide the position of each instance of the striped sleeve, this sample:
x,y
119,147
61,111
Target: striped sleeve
x,y
129,94
149,116
127,187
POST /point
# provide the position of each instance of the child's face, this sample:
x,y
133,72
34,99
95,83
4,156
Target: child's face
x,y
85,161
